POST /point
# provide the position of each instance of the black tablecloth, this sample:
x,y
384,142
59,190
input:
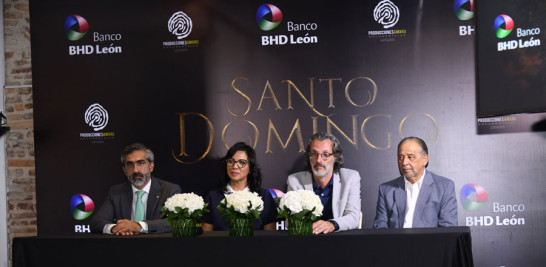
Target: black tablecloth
x,y
437,247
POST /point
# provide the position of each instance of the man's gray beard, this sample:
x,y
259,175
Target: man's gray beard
x,y
139,182
319,174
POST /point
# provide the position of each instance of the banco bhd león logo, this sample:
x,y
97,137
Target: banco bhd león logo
x,y
268,17
81,206
472,197
75,27
503,25
464,9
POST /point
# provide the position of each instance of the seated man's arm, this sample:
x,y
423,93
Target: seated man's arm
x,y
103,219
293,183
157,225
448,209
351,215
380,220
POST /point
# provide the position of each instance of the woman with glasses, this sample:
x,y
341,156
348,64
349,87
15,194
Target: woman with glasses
x,y
241,172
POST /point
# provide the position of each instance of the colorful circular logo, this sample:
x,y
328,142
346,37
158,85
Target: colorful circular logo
x,y
503,25
275,17
472,197
275,193
75,27
81,206
464,9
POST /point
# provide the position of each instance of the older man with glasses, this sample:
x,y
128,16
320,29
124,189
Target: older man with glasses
x,y
338,188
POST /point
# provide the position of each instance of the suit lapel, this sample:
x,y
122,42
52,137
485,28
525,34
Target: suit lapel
x,y
153,199
308,183
336,195
126,202
424,194
400,198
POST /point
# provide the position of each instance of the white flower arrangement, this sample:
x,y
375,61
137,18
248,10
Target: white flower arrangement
x,y
241,204
304,204
183,206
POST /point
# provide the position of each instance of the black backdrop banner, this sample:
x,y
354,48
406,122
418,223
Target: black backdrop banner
x,y
191,78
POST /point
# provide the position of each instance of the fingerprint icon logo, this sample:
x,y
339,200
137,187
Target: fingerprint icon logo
x,y
81,206
75,27
386,13
472,197
96,116
464,9
180,25
503,25
268,17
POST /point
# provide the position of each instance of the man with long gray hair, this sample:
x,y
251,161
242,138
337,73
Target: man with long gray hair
x,y
337,187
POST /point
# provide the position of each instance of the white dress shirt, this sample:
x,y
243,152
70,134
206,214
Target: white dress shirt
x,y
412,193
108,227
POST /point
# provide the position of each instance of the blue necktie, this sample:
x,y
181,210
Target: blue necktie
x,y
139,208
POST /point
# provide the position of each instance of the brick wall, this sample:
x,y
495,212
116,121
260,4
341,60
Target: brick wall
x,y
21,186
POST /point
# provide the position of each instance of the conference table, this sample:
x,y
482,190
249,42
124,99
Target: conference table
x,y
437,247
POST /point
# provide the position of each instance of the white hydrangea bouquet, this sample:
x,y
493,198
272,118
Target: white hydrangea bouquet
x,y
241,208
183,211
301,208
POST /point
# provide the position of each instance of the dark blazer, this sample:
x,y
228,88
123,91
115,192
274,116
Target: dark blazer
x,y
118,205
436,205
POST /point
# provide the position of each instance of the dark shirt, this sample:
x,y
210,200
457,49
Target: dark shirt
x,y
268,215
325,196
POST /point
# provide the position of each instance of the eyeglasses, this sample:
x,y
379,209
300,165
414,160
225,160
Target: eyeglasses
x,y
324,156
241,163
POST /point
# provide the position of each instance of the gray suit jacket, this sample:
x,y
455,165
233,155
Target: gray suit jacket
x,y
345,196
436,204
118,205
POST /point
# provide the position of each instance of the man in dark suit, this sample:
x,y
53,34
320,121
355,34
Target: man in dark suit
x,y
418,198
133,207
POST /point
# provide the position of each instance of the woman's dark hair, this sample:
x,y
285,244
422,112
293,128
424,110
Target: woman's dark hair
x,y
254,178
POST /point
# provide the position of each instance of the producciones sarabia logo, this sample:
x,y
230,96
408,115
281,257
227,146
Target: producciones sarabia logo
x,y
96,117
75,27
81,206
387,14
180,25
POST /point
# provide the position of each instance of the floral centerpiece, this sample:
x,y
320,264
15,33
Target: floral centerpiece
x,y
182,212
301,208
241,208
